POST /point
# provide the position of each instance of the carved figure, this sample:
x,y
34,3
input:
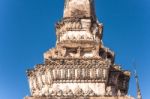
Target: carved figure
x,y
79,61
108,91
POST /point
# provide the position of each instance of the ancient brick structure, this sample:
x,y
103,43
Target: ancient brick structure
x,y
80,66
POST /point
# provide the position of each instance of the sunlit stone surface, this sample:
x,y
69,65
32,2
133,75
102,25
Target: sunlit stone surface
x,y
80,66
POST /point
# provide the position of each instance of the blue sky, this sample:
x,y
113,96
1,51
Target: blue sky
x,y
27,31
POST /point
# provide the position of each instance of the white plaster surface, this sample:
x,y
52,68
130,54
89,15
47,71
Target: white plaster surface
x,y
76,35
98,88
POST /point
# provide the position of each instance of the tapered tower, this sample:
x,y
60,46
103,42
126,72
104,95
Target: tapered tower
x,y
80,66
81,9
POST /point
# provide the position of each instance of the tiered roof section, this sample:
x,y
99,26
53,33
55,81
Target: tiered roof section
x,y
80,65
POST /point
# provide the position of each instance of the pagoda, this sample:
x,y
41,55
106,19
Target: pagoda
x,y
80,66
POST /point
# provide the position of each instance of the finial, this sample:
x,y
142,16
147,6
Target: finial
x,y
139,96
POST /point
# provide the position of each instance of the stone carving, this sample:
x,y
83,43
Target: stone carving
x,y
95,52
51,53
76,55
67,92
78,13
119,93
80,65
89,92
78,9
56,91
78,91
109,91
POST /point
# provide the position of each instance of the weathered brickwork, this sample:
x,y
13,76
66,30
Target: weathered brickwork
x,y
80,66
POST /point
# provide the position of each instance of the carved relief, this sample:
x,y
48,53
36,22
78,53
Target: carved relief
x,y
109,91
67,92
79,61
78,91
89,92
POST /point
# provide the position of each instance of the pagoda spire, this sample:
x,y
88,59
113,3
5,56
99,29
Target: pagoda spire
x,y
80,66
79,9
139,95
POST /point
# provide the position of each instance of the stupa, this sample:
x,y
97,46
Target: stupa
x,y
80,66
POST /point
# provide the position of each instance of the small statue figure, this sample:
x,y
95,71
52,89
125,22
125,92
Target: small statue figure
x,y
108,91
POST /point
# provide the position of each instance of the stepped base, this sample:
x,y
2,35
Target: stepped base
x,y
125,97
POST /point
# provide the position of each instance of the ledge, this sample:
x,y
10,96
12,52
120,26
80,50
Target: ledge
x,y
124,97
